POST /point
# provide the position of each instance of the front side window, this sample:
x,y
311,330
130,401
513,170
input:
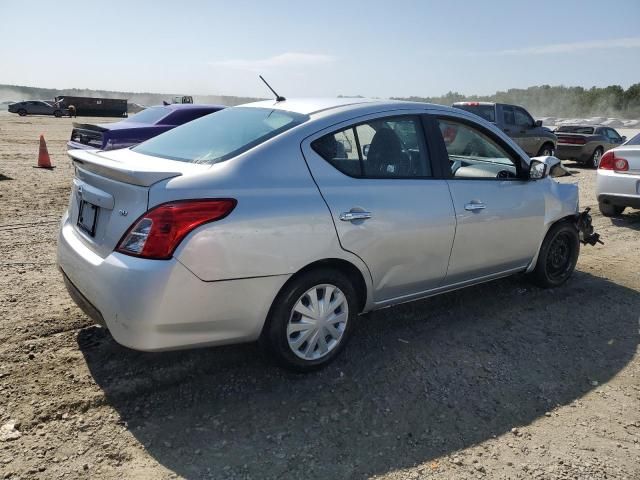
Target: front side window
x,y
613,135
523,119
473,154
382,148
508,115
216,138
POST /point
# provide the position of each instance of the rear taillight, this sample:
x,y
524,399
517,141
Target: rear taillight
x,y
609,161
158,232
572,140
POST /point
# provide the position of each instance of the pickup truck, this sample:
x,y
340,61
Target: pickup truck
x,y
517,123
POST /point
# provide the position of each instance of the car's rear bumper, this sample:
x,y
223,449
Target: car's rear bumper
x,y
159,304
573,152
620,189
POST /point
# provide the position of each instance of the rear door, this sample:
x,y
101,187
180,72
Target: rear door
x,y
389,204
499,213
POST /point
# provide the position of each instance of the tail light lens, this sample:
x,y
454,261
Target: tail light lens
x,y
158,232
572,140
609,161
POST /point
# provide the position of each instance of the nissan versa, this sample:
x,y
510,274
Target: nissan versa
x,y
282,221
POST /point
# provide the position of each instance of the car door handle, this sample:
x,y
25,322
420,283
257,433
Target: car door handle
x,y
473,206
351,216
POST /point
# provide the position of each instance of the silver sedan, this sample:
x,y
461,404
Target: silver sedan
x,y
283,221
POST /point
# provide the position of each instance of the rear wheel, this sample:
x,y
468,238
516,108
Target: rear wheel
x,y
594,161
22,112
311,320
609,210
546,150
558,256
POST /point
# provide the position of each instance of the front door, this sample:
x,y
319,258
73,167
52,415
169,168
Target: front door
x,y
499,213
387,205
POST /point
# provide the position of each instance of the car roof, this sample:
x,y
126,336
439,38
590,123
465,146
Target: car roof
x,y
471,102
190,106
311,106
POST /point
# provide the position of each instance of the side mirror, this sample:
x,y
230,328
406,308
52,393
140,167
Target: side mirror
x,y
624,139
541,167
537,170
538,123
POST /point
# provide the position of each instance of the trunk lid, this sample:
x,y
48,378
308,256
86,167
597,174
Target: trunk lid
x,y
111,190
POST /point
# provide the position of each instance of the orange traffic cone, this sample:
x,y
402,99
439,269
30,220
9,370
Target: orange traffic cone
x,y
43,156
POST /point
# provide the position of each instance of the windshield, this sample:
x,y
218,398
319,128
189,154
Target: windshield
x,y
150,115
634,141
488,112
575,129
215,138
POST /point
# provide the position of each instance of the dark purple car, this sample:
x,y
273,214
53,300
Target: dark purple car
x,y
138,128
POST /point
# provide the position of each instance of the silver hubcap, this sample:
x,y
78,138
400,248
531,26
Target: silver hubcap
x,y
596,158
317,322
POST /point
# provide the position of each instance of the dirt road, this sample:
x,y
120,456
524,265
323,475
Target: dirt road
x,y
502,380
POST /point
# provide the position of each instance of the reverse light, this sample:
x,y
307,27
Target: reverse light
x,y
609,161
157,233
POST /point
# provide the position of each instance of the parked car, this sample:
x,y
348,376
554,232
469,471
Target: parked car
x,y
516,122
137,128
618,178
37,107
282,221
586,143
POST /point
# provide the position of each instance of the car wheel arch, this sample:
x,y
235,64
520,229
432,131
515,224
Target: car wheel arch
x,y
567,218
351,271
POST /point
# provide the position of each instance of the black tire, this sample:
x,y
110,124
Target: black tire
x,y
558,256
609,210
57,114
594,160
22,112
546,150
275,338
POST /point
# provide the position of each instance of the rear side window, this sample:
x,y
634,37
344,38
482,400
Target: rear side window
x,y
216,138
488,112
381,148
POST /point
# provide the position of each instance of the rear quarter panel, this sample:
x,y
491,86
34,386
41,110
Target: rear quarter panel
x,y
280,224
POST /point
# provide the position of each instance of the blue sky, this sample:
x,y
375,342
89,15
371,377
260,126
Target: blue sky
x,y
372,48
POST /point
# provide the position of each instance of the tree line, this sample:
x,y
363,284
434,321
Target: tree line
x,y
558,101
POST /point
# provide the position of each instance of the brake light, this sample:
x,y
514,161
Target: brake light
x,y
158,232
572,140
609,161
472,104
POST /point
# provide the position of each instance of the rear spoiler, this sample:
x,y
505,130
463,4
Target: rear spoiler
x,y
141,174
89,126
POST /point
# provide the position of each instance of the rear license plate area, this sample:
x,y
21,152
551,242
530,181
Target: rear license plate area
x,y
87,217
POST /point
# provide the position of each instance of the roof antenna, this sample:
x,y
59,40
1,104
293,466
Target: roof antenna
x,y
278,97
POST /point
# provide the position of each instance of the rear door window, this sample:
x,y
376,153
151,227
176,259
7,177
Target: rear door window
x,y
383,148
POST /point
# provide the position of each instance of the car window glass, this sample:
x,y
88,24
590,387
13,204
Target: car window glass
x,y
472,154
508,116
613,135
383,148
635,140
522,118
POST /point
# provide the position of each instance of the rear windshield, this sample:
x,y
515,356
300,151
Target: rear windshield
x,y
215,138
575,129
634,141
150,115
488,112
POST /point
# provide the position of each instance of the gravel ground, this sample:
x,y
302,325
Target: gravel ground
x,y
502,380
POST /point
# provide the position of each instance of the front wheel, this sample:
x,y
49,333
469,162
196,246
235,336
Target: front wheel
x,y
57,114
594,160
22,112
558,256
546,150
311,320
